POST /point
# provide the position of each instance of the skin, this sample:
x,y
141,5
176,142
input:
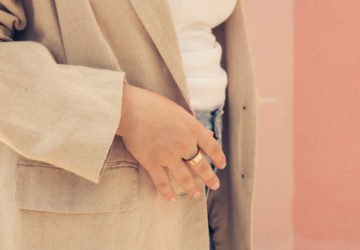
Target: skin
x,y
160,134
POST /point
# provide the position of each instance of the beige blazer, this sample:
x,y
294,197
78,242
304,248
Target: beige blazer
x,y
66,182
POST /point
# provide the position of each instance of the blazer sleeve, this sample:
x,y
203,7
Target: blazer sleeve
x,y
65,115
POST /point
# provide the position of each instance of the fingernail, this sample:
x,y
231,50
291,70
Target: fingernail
x,y
215,186
223,166
197,194
173,199
212,133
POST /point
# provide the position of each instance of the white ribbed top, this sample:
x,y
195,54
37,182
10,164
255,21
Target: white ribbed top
x,y
200,52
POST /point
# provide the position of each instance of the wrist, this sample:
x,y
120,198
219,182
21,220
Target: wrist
x,y
124,108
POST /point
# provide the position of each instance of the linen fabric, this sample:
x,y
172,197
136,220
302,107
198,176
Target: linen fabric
x,y
67,182
200,52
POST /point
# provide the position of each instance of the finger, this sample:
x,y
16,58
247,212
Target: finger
x,y
183,176
212,149
206,173
211,132
162,183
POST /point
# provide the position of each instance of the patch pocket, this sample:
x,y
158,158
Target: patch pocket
x,y
44,187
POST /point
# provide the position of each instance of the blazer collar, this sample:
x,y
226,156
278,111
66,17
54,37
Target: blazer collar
x,y
156,17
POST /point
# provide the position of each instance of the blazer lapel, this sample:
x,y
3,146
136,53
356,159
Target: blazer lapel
x,y
156,17
95,51
83,42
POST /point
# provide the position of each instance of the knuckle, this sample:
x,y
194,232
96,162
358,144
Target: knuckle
x,y
216,149
152,162
149,167
163,186
152,166
203,167
184,144
193,127
186,180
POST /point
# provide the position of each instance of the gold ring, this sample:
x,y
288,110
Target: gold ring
x,y
195,159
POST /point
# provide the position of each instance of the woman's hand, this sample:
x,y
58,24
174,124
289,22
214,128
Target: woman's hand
x,y
160,134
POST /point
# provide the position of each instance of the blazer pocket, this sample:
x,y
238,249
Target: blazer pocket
x,y
44,187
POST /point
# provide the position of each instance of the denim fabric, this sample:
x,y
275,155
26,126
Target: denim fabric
x,y
211,120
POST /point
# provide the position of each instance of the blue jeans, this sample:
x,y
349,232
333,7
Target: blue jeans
x,y
211,120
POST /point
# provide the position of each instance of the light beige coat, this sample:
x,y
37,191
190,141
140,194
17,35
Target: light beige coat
x,y
66,182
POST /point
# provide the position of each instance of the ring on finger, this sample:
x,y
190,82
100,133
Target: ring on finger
x,y
192,161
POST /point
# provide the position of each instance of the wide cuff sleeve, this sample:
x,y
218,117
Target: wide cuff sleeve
x,y
64,115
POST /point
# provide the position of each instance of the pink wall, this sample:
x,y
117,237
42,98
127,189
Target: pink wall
x,y
270,31
307,62
327,124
